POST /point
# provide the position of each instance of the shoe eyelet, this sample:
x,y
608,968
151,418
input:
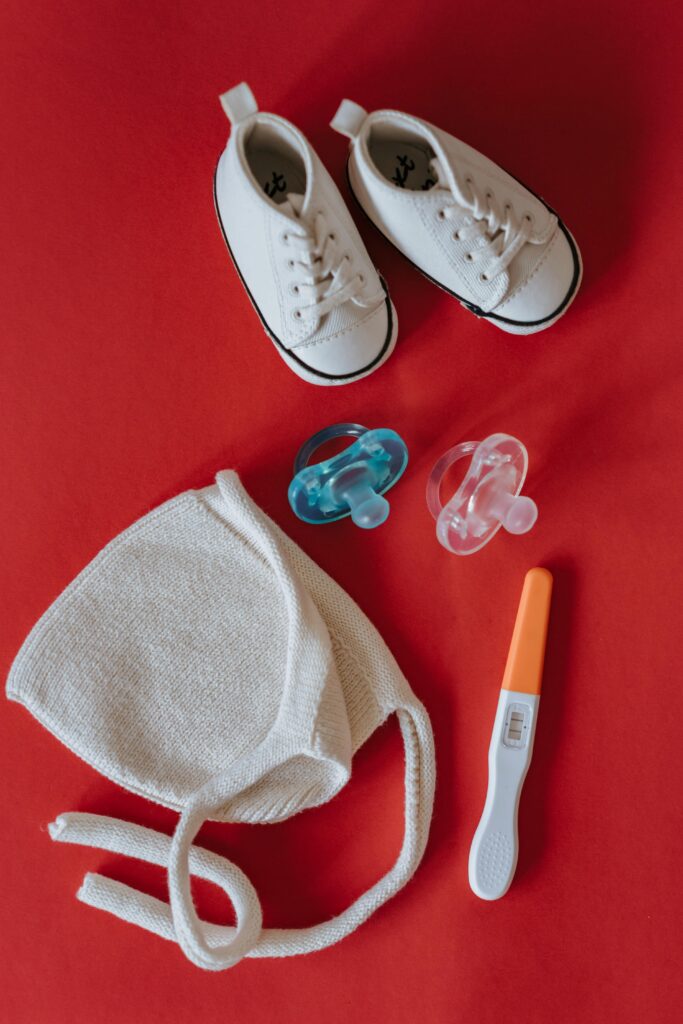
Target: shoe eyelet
x,y
489,194
441,214
290,264
469,257
284,237
296,313
332,237
507,207
456,236
484,277
294,289
361,278
529,217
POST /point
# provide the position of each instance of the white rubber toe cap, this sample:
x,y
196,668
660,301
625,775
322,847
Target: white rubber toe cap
x,y
549,288
353,352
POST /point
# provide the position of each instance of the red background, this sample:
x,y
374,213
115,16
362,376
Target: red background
x,y
133,367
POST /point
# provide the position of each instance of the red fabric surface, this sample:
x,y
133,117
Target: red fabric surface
x,y
133,367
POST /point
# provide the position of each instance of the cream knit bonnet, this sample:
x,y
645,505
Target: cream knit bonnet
x,y
203,661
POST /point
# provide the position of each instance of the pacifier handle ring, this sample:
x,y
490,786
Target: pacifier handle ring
x,y
317,440
460,451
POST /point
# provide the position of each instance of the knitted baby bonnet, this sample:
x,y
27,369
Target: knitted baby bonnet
x,y
203,661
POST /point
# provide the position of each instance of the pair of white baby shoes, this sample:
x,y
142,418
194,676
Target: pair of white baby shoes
x,y
464,222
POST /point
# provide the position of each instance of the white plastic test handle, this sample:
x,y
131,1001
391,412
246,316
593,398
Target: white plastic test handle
x,y
494,850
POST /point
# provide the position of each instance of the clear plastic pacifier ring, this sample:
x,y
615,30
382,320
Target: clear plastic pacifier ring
x,y
351,483
488,497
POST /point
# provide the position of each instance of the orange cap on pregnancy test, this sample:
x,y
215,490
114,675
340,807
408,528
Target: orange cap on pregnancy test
x,y
524,669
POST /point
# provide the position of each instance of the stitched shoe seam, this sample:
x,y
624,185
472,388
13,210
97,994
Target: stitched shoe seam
x,y
520,288
278,282
452,261
454,264
340,334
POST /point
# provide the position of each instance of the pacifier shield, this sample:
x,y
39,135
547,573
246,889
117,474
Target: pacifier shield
x,y
488,498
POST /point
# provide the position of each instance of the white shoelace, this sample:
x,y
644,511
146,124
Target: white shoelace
x,y
504,231
326,278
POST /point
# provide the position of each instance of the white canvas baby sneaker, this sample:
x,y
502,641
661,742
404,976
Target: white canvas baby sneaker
x,y
297,250
466,223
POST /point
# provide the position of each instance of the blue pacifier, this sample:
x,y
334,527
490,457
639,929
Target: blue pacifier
x,y
351,483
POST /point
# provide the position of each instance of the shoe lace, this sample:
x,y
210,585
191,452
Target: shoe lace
x,y
503,230
326,277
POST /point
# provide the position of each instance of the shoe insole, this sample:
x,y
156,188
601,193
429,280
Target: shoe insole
x,y
277,172
404,164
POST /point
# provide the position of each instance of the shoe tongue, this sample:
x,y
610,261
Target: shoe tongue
x,y
437,172
442,183
293,205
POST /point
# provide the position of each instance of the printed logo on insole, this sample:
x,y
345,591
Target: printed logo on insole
x,y
405,166
403,170
275,185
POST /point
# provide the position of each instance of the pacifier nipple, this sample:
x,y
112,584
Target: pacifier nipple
x,y
352,486
351,483
516,514
488,498
367,508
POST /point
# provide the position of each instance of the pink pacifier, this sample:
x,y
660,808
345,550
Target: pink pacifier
x,y
488,497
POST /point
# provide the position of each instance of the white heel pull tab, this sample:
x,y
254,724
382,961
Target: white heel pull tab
x,y
239,103
349,119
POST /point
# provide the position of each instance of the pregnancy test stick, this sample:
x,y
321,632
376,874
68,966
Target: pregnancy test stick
x,y
493,854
